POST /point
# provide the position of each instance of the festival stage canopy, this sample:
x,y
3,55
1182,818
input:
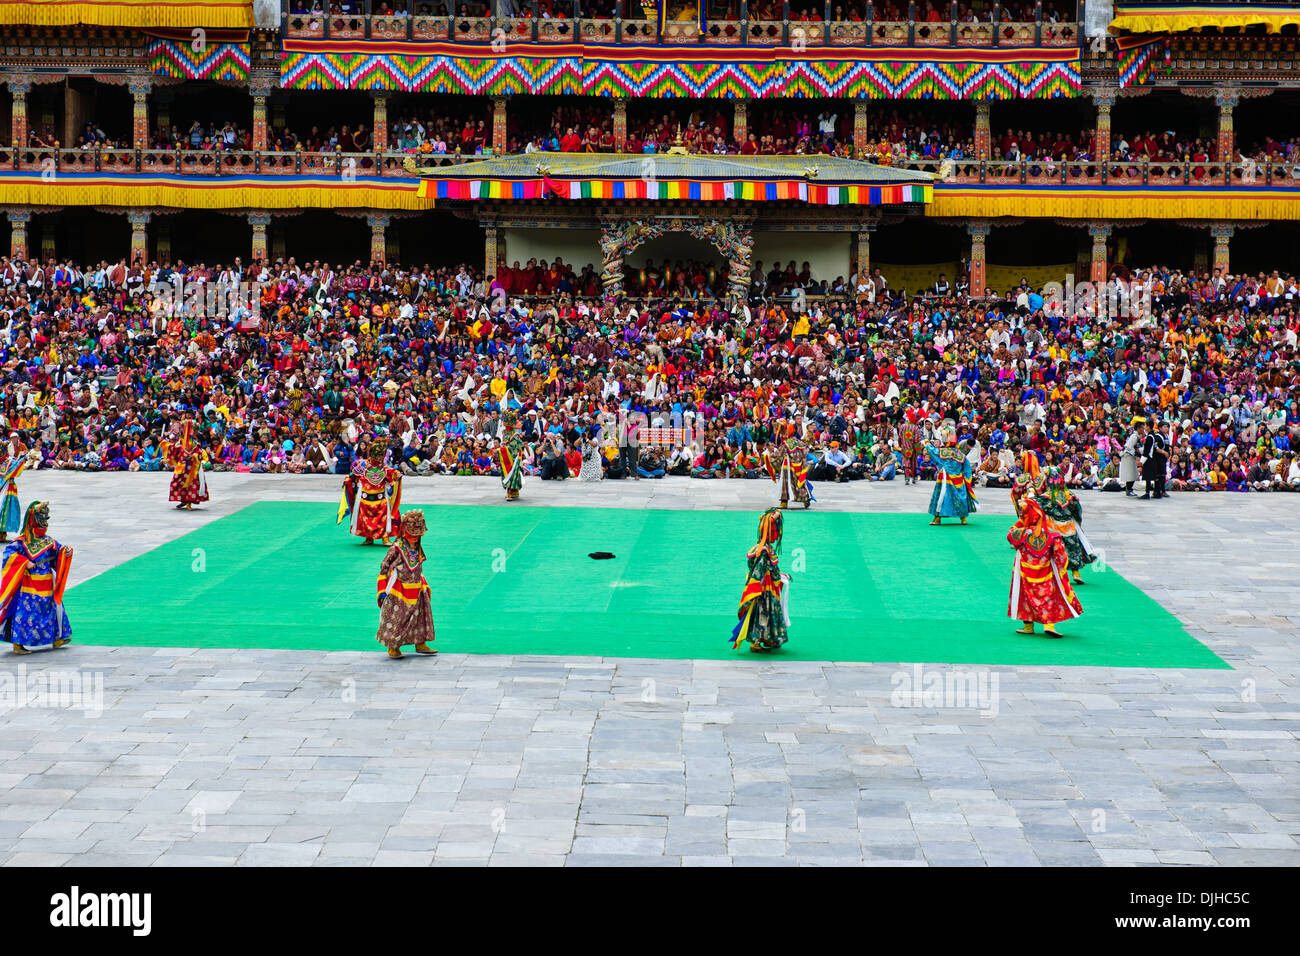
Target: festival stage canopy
x,y
237,14
1175,17
817,180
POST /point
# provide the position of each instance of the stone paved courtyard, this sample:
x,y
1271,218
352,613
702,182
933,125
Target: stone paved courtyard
x,y
212,757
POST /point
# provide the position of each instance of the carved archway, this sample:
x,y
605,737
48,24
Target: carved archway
x,y
733,238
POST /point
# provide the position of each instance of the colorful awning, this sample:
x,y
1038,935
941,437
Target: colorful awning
x,y
1174,17
235,14
696,190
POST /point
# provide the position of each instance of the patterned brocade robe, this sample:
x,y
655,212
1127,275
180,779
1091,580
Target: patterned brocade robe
x,y
31,592
954,492
373,495
406,614
1064,514
1040,581
511,457
789,469
762,604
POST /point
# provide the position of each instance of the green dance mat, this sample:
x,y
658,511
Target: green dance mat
x,y
514,579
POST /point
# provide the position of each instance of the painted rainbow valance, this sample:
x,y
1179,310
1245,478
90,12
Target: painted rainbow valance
x,y
685,72
1138,56
690,189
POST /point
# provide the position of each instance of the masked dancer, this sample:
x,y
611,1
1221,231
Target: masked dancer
x,y
31,585
405,608
189,483
1040,586
372,495
764,614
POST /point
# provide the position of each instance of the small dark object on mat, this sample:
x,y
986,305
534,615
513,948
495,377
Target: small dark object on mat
x,y
600,555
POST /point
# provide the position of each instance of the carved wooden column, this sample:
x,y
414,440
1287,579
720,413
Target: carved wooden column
x,y
500,136
260,88
260,221
740,122
18,89
381,123
18,220
1100,267
1104,99
491,260
979,232
620,124
139,220
1222,233
983,135
1226,101
859,129
378,227
139,87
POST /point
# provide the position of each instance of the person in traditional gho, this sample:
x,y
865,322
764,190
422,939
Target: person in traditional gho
x,y
909,449
1040,586
32,582
954,491
511,455
11,509
764,612
1029,482
787,465
1065,517
372,495
189,484
1128,462
405,607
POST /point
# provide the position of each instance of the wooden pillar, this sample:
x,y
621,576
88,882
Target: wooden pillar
x,y
499,134
1100,268
1222,233
378,227
260,221
979,232
859,129
18,220
620,124
860,253
983,137
740,122
139,220
18,115
139,87
1226,101
261,94
1101,137
381,123
490,252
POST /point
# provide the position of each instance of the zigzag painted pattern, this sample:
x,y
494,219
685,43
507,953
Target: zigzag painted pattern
x,y
594,77
218,61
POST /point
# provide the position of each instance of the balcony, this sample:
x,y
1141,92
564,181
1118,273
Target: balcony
x,y
474,24
242,163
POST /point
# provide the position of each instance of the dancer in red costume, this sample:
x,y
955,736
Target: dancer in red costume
x,y
185,455
1040,582
372,494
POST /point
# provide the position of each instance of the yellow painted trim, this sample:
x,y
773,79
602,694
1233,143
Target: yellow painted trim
x,y
237,14
1044,202
230,194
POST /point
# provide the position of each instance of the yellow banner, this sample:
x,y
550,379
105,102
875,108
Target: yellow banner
x,y
236,14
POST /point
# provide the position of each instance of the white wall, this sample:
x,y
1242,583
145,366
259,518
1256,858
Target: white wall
x,y
827,253
576,247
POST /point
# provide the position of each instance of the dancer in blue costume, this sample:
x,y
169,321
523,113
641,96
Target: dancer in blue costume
x,y
954,492
31,586
10,508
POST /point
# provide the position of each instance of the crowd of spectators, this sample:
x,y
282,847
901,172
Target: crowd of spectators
x,y
99,365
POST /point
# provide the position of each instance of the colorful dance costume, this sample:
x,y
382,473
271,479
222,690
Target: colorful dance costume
x,y
764,614
31,586
1028,482
372,495
11,510
189,484
511,456
1040,585
405,607
789,469
1064,516
909,447
954,491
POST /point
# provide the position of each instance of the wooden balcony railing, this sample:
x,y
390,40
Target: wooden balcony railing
x,y
526,28
53,162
